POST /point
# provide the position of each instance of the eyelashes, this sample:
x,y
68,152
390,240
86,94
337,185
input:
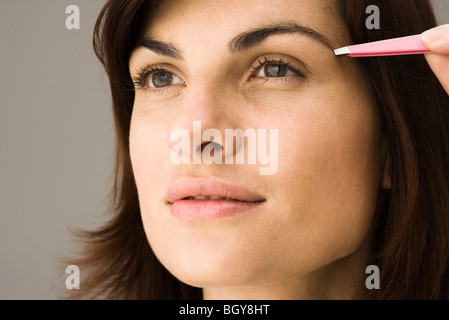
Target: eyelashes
x,y
267,68
141,80
280,66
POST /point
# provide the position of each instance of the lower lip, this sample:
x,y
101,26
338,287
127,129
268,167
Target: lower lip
x,y
209,209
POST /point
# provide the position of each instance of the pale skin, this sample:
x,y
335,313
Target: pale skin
x,y
311,237
437,40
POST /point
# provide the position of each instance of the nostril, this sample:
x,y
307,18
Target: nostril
x,y
214,147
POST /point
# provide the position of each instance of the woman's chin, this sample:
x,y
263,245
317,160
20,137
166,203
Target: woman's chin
x,y
216,269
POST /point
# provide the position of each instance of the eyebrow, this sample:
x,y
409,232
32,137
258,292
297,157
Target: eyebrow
x,y
252,38
241,42
160,47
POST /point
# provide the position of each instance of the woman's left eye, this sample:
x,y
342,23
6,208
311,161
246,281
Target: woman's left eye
x,y
275,70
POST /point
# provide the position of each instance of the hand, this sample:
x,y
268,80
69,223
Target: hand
x,y
437,41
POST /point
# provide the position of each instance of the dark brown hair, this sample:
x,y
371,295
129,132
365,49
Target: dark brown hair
x,y
412,235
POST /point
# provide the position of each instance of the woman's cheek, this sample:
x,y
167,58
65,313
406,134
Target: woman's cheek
x,y
149,154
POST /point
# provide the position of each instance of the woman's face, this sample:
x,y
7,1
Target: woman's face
x,y
255,64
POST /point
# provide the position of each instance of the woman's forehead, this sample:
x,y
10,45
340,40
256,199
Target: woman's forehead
x,y
222,20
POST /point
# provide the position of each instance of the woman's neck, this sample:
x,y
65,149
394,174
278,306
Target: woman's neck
x,y
343,279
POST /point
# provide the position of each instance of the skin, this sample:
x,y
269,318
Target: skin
x,y
310,239
437,41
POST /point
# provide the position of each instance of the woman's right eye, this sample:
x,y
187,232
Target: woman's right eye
x,y
163,78
155,78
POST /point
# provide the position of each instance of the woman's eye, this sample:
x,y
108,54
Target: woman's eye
x,y
161,79
275,70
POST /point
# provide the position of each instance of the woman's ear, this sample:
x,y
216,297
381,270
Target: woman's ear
x,y
386,175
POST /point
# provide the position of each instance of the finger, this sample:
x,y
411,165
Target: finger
x,y
437,39
440,66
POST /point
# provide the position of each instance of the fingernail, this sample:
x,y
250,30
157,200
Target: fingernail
x,y
435,34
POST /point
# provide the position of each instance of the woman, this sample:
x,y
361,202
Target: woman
x,y
362,145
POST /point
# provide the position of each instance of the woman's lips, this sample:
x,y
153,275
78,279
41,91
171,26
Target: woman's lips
x,y
205,199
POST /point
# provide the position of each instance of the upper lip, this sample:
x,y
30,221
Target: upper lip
x,y
195,187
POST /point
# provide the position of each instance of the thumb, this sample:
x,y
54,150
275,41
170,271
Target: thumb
x,y
437,39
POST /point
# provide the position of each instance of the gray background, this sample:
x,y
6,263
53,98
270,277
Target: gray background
x,y
56,140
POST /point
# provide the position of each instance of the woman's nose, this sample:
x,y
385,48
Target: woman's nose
x,y
203,115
